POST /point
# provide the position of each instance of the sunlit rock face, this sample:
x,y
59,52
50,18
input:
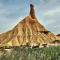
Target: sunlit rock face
x,y
28,31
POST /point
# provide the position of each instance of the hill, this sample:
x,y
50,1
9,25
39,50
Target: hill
x,y
27,32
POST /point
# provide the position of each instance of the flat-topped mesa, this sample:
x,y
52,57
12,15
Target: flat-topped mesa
x,y
32,11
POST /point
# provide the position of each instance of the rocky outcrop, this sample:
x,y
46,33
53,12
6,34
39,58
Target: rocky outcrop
x,y
58,36
32,11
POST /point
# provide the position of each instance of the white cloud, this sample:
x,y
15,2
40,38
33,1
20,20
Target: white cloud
x,y
52,12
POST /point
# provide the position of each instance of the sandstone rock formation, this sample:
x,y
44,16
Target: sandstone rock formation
x,y
28,31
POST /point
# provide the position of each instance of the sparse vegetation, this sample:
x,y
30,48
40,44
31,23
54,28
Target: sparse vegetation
x,y
47,53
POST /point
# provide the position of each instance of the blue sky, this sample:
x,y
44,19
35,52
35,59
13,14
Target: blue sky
x,y
13,11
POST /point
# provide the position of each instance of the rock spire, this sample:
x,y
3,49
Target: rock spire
x,y
32,11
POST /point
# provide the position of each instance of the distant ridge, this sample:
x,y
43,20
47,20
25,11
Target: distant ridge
x,y
28,31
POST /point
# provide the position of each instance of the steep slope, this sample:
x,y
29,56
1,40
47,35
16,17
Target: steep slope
x,y
29,30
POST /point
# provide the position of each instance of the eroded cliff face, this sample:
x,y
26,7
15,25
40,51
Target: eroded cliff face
x,y
28,31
